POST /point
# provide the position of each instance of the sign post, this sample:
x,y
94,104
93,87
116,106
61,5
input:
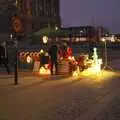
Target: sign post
x,y
16,63
17,27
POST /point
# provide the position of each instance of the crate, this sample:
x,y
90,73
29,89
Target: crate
x,y
64,67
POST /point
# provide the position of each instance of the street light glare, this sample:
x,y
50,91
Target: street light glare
x,y
103,39
11,36
56,28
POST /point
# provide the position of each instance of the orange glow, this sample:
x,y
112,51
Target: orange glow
x,y
41,51
44,70
95,69
45,39
29,59
71,58
76,72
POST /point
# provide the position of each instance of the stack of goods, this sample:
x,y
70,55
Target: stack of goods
x,y
64,67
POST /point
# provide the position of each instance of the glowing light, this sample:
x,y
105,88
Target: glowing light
x,y
61,58
76,72
103,39
29,59
95,56
31,53
96,65
11,36
113,38
56,28
41,51
95,68
46,54
46,66
45,39
25,55
16,3
44,70
71,58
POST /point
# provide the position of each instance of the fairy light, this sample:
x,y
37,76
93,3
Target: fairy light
x,y
29,59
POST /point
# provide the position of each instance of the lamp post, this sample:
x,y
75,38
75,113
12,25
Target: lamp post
x,y
105,50
16,63
17,29
56,28
4,44
15,59
106,56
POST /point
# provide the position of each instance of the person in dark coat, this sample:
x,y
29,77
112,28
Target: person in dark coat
x,y
3,58
53,52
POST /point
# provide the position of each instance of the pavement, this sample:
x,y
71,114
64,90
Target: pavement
x,y
103,109
61,97
27,78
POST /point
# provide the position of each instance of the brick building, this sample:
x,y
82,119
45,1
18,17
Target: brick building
x,y
37,14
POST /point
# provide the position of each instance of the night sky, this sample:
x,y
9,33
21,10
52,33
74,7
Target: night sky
x,y
88,12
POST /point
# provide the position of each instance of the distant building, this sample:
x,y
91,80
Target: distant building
x,y
86,33
37,14
102,32
81,33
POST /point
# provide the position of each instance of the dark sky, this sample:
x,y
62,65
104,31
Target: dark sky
x,y
87,12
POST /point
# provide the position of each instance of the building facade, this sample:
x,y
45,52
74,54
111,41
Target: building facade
x,y
87,33
37,14
81,33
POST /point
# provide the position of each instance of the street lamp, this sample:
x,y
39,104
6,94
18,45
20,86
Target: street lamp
x,y
11,36
106,56
56,28
16,62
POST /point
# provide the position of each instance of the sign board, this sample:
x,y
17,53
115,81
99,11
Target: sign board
x,y
36,66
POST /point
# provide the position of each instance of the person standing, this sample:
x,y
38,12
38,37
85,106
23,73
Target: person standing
x,y
4,58
53,52
65,50
69,51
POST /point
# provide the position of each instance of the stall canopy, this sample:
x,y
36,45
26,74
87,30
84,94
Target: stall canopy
x,y
52,32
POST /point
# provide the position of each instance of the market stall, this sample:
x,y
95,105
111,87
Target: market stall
x,y
72,65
